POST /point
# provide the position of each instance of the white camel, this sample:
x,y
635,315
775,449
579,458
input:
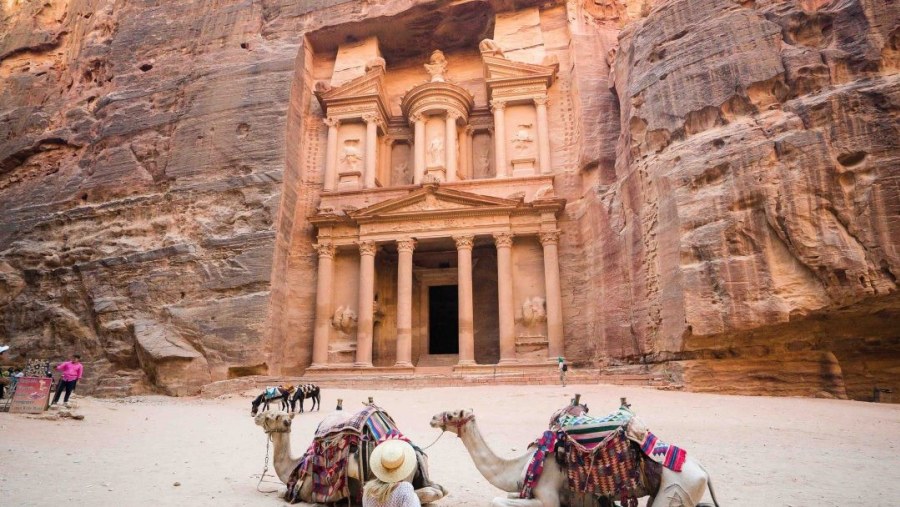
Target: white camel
x,y
677,489
277,424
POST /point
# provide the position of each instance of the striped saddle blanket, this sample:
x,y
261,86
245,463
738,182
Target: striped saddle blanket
x,y
327,457
589,431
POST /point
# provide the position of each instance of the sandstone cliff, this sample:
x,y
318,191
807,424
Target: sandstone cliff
x,y
738,219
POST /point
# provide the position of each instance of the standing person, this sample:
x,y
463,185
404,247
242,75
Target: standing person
x,y
563,368
4,377
71,372
392,462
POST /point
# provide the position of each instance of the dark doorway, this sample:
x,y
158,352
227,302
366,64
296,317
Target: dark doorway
x,y
443,319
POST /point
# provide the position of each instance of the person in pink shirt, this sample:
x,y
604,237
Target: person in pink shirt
x,y
70,371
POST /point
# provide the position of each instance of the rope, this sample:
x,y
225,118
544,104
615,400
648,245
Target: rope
x,y
266,468
435,440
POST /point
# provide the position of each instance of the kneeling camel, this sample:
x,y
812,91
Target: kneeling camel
x,y
676,489
277,425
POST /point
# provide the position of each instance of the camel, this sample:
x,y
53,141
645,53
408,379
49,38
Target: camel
x,y
309,392
677,489
277,425
280,393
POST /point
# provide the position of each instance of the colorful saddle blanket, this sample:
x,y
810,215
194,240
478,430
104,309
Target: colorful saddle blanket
x,y
589,431
327,457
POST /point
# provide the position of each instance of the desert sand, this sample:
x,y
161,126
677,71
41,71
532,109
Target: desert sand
x,y
759,451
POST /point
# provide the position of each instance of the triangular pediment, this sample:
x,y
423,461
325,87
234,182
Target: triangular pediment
x,y
365,92
498,68
431,199
371,83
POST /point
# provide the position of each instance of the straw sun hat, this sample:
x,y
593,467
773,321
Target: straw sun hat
x,y
393,460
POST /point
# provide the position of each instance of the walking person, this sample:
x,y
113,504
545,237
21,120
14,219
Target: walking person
x,y
392,461
563,369
71,371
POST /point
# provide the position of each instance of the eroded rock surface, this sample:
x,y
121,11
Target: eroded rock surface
x,y
733,188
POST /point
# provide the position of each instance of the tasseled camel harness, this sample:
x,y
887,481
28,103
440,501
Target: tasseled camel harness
x,y
599,459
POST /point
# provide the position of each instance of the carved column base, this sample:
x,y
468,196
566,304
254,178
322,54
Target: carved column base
x,y
437,172
350,180
523,167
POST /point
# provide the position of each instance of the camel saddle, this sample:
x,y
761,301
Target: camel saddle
x,y
327,458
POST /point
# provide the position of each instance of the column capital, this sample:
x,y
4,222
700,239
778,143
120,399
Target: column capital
x,y
464,242
367,247
416,118
503,239
549,238
331,122
470,130
370,117
453,115
406,244
498,105
325,249
542,100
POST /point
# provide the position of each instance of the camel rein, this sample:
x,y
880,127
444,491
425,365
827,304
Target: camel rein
x,y
266,463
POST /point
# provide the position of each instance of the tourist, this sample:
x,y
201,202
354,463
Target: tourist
x,y
4,376
392,462
563,368
71,372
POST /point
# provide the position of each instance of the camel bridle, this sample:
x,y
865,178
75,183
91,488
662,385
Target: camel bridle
x,y
448,420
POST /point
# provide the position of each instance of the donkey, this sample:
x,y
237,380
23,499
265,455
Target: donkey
x,y
271,393
307,391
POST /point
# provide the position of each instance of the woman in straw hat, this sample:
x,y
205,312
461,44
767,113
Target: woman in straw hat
x,y
392,461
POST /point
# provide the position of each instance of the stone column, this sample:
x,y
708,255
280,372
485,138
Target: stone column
x,y
504,242
419,148
468,164
405,249
365,325
555,347
543,134
466,310
331,154
451,136
323,304
498,106
371,150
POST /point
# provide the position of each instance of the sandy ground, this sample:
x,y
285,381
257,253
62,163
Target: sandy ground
x,y
759,451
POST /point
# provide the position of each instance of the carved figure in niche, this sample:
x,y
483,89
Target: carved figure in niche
x,y
350,157
490,47
436,151
344,319
436,66
534,311
523,137
401,170
484,163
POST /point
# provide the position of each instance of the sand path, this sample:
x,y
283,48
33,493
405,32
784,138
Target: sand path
x,y
760,451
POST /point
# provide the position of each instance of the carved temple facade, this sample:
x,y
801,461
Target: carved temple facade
x,y
437,229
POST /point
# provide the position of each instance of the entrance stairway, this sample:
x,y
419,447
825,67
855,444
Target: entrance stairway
x,y
434,373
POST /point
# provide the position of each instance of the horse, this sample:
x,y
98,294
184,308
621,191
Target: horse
x,y
310,391
272,393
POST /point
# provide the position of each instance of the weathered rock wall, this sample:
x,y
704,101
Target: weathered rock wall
x,y
142,153
755,193
737,167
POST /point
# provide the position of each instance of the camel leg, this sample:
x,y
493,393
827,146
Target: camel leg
x,y
681,489
430,494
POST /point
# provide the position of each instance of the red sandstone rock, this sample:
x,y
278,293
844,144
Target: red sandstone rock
x,y
733,198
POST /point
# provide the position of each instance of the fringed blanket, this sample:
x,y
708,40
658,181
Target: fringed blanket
x,y
545,445
669,456
591,431
327,457
613,468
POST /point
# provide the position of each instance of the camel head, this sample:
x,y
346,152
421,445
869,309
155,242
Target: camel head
x,y
275,421
452,421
